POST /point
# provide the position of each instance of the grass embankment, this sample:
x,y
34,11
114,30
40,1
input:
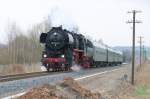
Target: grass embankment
x,y
141,89
142,86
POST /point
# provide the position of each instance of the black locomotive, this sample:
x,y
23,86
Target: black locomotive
x,y
64,48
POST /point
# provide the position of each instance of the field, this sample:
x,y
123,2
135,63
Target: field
x,y
141,89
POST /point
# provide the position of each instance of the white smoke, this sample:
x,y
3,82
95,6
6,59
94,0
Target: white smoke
x,y
43,68
60,18
76,67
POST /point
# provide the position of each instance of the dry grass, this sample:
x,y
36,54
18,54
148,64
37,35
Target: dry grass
x,y
141,90
12,69
143,76
143,82
18,69
33,68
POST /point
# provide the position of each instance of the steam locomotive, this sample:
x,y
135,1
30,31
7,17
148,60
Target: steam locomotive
x,y
64,49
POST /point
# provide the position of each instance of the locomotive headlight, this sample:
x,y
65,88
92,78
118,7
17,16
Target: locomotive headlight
x,y
62,56
44,55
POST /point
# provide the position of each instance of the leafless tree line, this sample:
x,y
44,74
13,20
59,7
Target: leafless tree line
x,y
23,48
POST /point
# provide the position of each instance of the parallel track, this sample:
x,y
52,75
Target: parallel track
x,y
27,75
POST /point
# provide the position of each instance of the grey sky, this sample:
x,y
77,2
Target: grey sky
x,y
100,19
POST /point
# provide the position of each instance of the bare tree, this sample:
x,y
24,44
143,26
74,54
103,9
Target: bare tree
x,y
24,48
13,30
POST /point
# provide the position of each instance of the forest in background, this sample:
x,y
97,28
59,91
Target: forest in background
x,y
21,47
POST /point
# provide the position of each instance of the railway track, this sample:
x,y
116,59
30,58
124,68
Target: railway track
x,y
6,78
12,84
27,75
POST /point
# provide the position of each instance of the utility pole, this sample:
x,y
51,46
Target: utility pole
x,y
140,50
133,43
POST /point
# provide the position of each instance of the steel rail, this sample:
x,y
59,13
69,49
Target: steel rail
x,y
27,75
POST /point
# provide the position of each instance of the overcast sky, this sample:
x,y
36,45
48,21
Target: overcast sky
x,y
100,19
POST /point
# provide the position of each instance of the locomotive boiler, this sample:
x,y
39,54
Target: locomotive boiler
x,y
58,49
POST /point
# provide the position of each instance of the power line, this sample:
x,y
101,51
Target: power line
x,y
133,43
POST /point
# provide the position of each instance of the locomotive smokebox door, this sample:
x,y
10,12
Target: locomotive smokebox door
x,y
43,37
